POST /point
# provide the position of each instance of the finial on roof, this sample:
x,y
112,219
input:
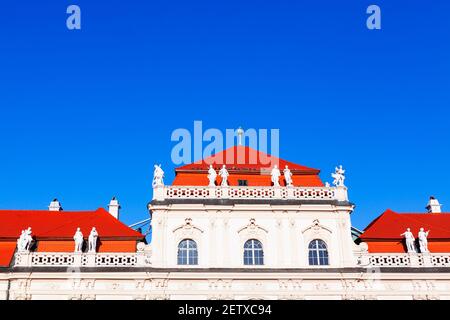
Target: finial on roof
x,y
55,205
240,133
114,207
433,205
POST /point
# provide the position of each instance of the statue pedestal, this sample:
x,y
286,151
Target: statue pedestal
x,y
90,259
340,193
77,259
277,192
225,193
414,260
158,193
426,259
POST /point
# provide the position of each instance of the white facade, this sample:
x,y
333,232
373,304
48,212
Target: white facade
x,y
221,220
220,232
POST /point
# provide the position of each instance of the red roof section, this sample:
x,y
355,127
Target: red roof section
x,y
63,224
243,158
7,250
245,163
390,225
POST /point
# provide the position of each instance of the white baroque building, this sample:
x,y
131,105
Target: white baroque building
x,y
260,234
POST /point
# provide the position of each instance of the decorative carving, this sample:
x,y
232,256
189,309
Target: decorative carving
x,y
316,228
252,227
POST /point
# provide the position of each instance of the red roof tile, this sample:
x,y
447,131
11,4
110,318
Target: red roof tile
x,y
390,225
243,158
7,250
63,224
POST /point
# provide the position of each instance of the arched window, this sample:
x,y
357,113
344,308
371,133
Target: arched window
x,y
187,252
253,253
318,253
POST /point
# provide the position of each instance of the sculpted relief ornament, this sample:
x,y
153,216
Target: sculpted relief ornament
x,y
316,228
252,230
187,230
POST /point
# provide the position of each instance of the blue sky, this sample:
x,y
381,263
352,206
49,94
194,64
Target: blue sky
x,y
85,114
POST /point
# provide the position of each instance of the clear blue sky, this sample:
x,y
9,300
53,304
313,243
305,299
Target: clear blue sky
x,y
85,114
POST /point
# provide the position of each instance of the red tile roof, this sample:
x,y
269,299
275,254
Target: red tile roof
x,y
63,224
390,225
243,158
7,250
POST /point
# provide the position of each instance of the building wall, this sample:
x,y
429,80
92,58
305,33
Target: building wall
x,y
221,231
336,285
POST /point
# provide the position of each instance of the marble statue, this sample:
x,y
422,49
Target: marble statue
x,y
158,175
92,240
338,177
287,176
212,175
78,237
223,173
409,238
423,241
275,173
25,239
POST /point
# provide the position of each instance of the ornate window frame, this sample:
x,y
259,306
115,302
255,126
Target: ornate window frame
x,y
253,231
188,231
317,231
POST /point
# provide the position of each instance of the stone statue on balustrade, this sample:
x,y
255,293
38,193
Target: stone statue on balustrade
x,y
223,173
423,241
338,177
212,175
25,240
287,176
275,174
78,237
158,175
92,240
410,241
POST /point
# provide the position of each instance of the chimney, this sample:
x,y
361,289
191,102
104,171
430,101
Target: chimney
x,y
55,205
433,205
114,208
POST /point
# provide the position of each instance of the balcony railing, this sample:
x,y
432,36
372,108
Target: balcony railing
x,y
73,259
261,193
143,259
404,260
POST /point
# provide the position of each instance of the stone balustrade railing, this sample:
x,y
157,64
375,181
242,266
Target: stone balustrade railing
x,y
161,193
74,259
404,260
